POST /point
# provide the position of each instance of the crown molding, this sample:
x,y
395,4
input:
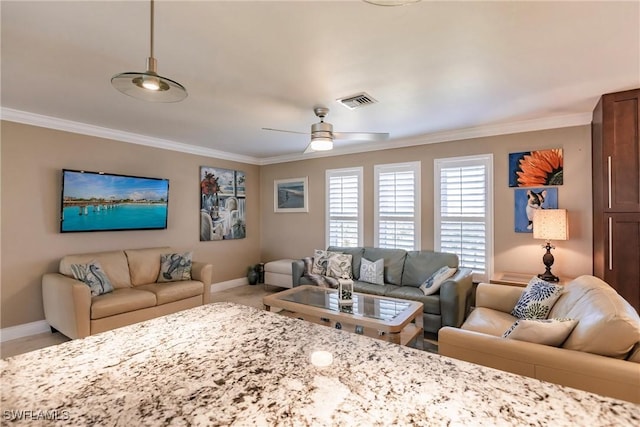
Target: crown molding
x,y
25,117
546,123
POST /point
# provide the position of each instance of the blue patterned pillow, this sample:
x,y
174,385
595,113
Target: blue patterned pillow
x,y
537,299
93,276
175,267
433,283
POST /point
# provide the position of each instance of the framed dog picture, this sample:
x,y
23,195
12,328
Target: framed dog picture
x,y
527,201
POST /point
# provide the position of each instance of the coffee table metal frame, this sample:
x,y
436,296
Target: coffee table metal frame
x,y
405,328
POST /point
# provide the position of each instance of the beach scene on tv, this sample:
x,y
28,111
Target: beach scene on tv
x,y
102,202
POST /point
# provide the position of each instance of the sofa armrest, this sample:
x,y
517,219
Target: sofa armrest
x,y
591,372
203,272
498,297
67,305
455,297
297,271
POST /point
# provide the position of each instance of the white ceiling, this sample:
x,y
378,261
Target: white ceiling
x,y
436,68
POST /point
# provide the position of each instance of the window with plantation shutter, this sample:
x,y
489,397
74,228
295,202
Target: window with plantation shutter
x,y
463,211
397,205
344,207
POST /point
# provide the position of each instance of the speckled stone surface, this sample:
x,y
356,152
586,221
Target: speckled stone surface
x,y
227,364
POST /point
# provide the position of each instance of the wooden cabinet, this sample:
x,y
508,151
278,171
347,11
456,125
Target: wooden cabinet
x,y
616,192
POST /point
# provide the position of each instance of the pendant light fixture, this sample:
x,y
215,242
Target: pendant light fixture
x,y
148,85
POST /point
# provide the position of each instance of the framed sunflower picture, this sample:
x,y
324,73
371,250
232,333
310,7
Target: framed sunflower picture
x,y
536,168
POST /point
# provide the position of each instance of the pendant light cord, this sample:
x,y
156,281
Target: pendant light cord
x,y
151,28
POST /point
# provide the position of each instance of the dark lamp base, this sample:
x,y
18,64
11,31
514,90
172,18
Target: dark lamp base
x,y
547,260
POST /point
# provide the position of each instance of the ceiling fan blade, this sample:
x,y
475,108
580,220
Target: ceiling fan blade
x,y
361,136
288,131
308,150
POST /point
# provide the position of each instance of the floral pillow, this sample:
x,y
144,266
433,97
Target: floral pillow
x,y
339,266
320,261
541,331
372,271
537,299
175,267
433,283
93,276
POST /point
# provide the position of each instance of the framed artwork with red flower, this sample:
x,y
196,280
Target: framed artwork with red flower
x,y
536,168
222,204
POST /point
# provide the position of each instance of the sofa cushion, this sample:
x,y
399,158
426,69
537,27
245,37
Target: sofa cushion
x,y
320,261
431,303
144,264
433,283
93,276
370,288
541,331
607,324
121,301
488,321
174,291
175,267
339,266
372,271
537,299
113,263
420,265
356,256
393,262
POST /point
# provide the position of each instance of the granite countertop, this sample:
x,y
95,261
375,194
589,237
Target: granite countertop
x,y
228,364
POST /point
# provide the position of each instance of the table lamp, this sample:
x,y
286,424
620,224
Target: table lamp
x,y
550,224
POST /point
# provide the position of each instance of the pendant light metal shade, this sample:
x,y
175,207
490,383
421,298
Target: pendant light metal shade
x,y
148,85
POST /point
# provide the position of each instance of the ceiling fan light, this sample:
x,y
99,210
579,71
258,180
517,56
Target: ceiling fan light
x,y
321,143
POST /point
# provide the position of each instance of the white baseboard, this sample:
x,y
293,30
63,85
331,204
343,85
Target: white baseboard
x,y
25,330
223,286
41,326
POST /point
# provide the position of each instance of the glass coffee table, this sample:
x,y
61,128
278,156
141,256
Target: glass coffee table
x,y
390,319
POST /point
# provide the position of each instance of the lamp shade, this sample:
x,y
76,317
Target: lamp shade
x,y
551,224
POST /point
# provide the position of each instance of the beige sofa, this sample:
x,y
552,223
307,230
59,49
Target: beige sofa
x,y
70,309
601,355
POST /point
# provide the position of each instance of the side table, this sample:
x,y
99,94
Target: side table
x,y
519,279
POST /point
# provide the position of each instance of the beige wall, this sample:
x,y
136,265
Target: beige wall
x,y
292,235
32,159
31,244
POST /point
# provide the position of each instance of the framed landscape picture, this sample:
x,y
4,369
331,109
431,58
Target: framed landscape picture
x,y
291,195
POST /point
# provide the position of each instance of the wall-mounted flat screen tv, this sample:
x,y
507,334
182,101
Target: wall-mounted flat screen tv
x,y
97,201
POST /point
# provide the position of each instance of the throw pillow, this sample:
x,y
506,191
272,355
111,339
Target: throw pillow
x,y
339,266
320,261
175,267
537,299
541,331
372,271
93,276
433,283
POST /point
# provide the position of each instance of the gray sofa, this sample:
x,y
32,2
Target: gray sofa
x,y
404,272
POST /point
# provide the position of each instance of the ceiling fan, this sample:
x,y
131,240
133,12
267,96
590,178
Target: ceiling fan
x,y
322,134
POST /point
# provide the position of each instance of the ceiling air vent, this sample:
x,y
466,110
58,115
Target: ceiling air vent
x,y
356,101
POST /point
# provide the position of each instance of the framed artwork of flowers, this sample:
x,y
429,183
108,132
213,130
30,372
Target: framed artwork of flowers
x,y
536,168
527,201
222,204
